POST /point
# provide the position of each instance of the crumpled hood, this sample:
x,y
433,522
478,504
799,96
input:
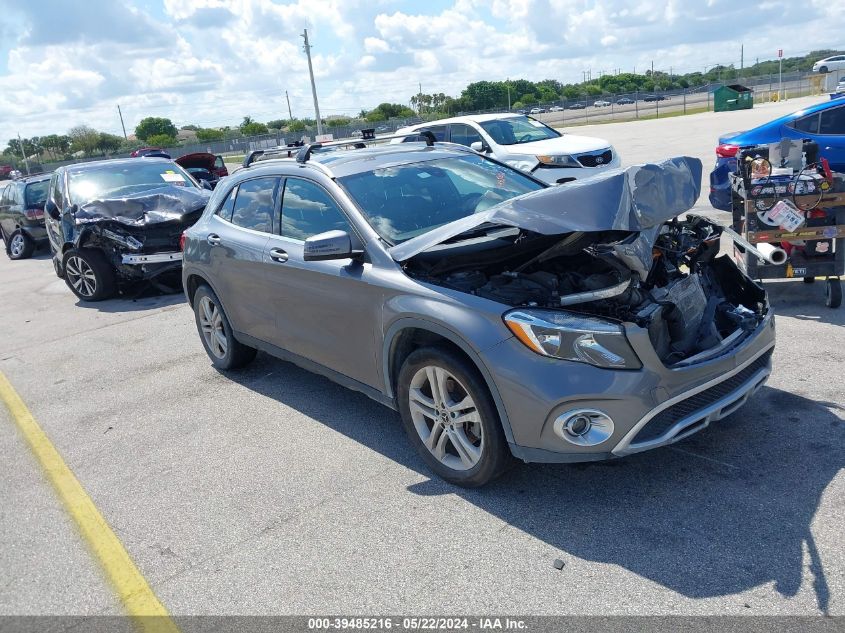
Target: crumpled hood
x,y
566,144
167,203
631,199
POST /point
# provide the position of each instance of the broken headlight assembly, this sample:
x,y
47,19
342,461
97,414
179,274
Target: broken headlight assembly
x,y
570,336
562,160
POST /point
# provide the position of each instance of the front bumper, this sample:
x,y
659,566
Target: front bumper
x,y
650,407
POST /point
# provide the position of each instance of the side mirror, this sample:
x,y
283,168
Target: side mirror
x,y
52,210
479,146
329,245
73,209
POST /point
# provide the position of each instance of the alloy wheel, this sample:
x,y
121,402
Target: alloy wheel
x,y
211,324
17,245
81,276
446,418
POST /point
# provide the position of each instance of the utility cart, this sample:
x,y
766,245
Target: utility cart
x,y
789,221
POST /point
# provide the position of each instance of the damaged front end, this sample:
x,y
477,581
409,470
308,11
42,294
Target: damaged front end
x,y
628,261
140,234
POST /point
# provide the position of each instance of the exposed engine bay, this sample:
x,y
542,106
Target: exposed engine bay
x,y
666,279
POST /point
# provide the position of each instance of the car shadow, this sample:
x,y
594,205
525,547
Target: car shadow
x,y
720,513
150,299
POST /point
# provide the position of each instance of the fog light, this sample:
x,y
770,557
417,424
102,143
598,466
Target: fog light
x,y
584,427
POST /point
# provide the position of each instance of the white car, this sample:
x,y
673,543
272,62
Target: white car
x,y
523,143
556,109
537,110
828,64
601,104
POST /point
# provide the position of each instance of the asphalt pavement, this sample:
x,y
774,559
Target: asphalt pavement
x,y
274,491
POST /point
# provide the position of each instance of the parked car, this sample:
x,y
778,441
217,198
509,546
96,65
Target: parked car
x,y
144,151
495,314
5,170
118,221
200,162
823,123
654,98
382,129
522,111
22,215
601,103
829,64
524,143
578,106
624,101
556,109
537,110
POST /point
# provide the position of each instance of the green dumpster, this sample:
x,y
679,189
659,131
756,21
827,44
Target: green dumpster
x,y
732,97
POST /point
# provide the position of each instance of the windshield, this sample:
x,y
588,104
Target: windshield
x,y
518,129
404,201
36,194
124,179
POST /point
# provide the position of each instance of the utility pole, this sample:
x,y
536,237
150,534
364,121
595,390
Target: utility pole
x,y
508,84
23,154
120,114
419,99
313,85
652,69
741,58
290,114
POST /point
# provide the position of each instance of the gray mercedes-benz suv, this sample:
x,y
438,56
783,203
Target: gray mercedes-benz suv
x,y
498,315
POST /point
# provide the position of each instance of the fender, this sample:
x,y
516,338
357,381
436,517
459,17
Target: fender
x,y
414,322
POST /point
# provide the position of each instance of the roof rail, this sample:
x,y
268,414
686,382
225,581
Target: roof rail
x,y
305,153
279,152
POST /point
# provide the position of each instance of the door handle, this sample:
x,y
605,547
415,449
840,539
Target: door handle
x,y
278,255
213,239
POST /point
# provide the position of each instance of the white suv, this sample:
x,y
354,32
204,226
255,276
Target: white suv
x,y
523,143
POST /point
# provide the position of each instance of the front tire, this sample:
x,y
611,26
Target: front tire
x,y
450,417
224,350
20,246
88,274
823,70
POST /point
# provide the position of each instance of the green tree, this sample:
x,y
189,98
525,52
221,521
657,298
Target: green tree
x,y
109,143
253,128
296,126
153,126
277,124
336,122
83,139
208,134
161,140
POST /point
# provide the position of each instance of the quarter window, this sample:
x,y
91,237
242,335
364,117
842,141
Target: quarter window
x,y
809,124
254,204
308,210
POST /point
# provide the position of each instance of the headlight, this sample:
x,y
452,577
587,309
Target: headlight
x,y
569,336
522,165
562,160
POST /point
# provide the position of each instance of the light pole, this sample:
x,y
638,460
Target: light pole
x,y
313,85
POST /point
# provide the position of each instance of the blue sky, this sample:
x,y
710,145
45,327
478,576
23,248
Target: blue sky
x,y
211,62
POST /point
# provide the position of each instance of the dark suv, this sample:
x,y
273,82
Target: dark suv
x,y
22,215
113,222
499,315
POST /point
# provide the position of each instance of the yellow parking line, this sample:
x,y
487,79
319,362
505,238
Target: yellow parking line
x,y
134,592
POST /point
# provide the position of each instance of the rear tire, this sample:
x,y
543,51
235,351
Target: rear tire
x,y
450,418
88,274
20,246
833,293
216,334
823,69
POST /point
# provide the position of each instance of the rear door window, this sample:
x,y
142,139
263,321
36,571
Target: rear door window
x,y
254,204
832,121
463,134
36,194
225,210
218,162
308,209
